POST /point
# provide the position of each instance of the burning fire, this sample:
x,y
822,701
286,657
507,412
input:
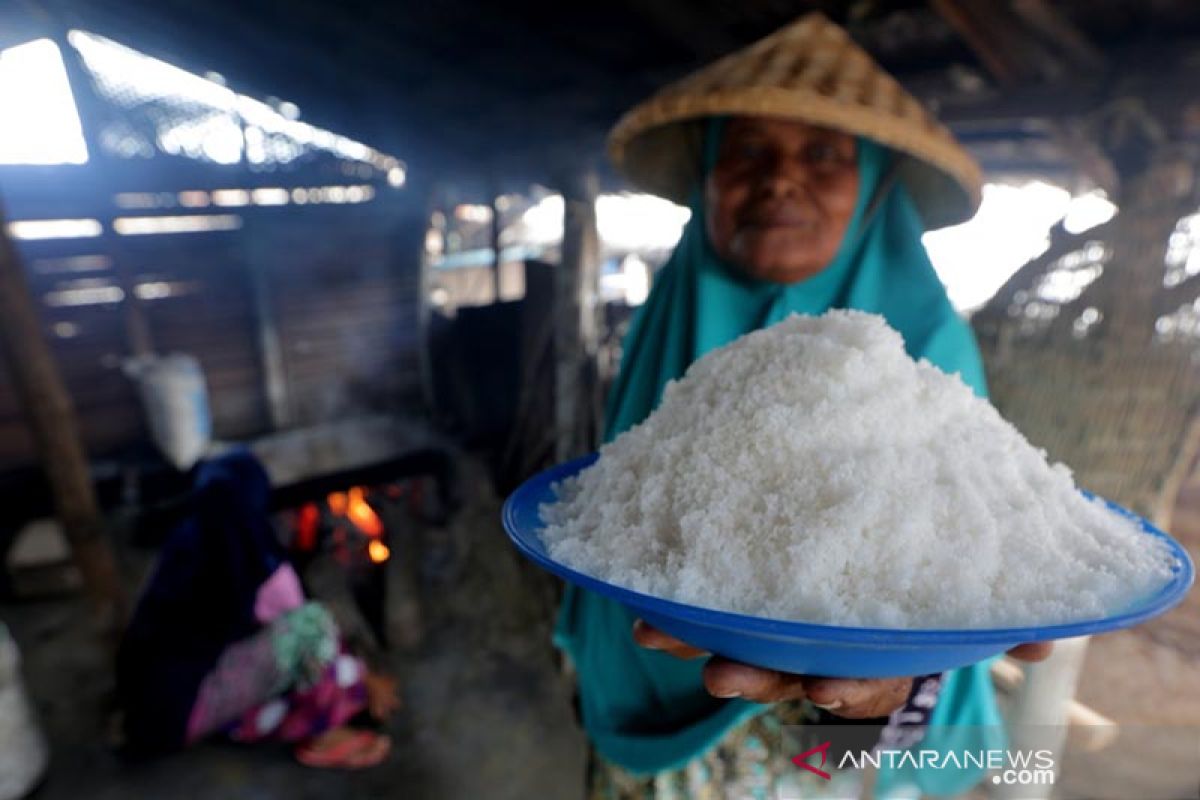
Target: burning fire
x,y
345,507
308,523
353,506
378,551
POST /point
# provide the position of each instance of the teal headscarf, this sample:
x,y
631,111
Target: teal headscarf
x,y
647,711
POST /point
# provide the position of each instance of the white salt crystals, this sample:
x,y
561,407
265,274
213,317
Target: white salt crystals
x,y
813,471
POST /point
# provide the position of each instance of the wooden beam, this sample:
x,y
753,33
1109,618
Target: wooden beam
x,y
1062,34
984,40
1002,41
55,431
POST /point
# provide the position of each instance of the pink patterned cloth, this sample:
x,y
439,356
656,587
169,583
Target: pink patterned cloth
x,y
304,714
290,681
279,593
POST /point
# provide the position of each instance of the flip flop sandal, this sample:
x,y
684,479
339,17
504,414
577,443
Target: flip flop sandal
x,y
359,750
374,754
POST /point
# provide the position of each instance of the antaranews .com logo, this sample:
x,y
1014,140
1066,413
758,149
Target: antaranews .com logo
x,y
1009,767
1076,762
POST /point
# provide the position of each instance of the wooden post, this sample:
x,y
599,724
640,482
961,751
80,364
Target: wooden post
x,y
1042,709
56,434
257,250
427,202
138,337
270,351
576,284
497,257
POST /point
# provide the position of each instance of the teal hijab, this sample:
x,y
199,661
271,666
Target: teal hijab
x,y
647,711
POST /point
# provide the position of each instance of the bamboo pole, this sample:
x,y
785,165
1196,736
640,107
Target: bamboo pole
x,y
51,417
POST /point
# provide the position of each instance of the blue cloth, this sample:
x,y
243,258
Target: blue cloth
x,y
647,711
199,600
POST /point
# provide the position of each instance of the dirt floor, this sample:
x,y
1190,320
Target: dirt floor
x,y
486,713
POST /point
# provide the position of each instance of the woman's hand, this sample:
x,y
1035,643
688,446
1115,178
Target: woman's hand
x,y
852,698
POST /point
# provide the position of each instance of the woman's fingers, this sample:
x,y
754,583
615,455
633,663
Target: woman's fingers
x,y
726,679
1032,651
648,636
849,698
859,698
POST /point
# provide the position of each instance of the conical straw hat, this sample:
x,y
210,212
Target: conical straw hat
x,y
812,71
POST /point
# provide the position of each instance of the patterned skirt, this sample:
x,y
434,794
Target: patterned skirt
x,y
750,763
289,682
754,760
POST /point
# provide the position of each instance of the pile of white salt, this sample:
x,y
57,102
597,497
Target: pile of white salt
x,y
813,471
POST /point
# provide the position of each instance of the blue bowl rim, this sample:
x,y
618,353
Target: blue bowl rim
x,y
534,489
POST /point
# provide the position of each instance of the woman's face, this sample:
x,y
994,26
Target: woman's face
x,y
780,197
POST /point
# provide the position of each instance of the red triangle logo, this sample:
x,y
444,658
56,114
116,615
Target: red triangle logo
x,y
801,760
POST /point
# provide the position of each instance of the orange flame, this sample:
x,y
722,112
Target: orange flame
x,y
337,503
353,506
362,515
378,551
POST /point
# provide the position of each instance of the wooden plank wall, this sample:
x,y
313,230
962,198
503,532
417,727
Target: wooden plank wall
x,y
342,285
215,322
88,343
346,304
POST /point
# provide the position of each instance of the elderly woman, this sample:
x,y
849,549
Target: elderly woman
x,y
811,176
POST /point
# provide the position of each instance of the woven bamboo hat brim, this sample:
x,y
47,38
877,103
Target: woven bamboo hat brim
x,y
811,71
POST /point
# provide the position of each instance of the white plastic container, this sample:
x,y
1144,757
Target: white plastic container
x,y
23,751
175,398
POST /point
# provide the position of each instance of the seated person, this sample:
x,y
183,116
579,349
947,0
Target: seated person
x,y
223,640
